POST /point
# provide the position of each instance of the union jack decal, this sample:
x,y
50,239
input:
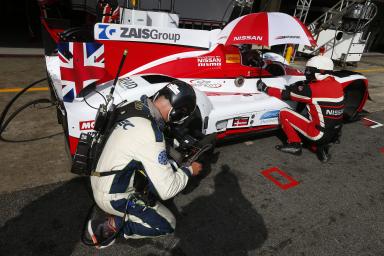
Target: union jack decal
x,y
81,64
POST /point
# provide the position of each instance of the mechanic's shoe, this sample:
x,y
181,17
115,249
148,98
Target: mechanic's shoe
x,y
291,148
323,154
102,232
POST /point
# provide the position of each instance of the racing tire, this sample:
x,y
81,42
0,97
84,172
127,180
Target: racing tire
x,y
353,98
78,34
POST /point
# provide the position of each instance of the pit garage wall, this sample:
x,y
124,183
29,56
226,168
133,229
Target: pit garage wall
x,y
25,29
196,9
376,42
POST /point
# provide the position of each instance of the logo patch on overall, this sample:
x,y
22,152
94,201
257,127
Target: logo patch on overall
x,y
138,105
162,158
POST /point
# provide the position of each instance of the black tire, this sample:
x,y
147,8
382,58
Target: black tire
x,y
353,97
78,34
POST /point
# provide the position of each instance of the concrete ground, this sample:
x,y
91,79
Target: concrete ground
x,y
335,209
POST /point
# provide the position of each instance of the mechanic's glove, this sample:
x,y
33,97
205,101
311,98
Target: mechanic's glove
x,y
196,168
261,86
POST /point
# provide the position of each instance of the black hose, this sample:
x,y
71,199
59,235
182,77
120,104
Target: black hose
x,y
4,122
8,106
34,102
15,113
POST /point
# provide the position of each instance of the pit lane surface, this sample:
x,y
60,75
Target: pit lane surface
x,y
336,209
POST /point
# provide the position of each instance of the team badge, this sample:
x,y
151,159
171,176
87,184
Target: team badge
x,y
162,158
138,105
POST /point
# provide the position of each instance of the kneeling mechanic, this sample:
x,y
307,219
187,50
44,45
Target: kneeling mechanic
x,y
324,99
134,171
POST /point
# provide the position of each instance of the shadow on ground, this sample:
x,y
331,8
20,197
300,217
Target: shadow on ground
x,y
223,223
50,225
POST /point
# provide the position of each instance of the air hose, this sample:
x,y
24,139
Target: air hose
x,y
4,122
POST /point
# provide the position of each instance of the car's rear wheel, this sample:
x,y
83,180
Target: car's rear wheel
x,y
354,94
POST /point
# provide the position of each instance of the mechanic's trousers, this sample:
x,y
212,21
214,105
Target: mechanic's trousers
x,y
143,222
140,221
292,122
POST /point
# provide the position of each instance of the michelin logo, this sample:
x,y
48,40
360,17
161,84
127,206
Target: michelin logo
x,y
107,32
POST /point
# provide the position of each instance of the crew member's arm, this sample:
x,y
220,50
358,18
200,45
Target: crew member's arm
x,y
153,156
296,92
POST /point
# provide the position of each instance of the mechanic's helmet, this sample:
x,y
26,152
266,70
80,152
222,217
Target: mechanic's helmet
x,y
317,64
182,98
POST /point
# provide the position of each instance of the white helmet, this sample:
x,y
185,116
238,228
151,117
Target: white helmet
x,y
320,62
315,67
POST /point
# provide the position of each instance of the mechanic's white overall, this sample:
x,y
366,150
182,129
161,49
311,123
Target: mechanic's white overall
x,y
136,141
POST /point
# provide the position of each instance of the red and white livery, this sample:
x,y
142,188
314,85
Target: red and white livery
x,y
211,61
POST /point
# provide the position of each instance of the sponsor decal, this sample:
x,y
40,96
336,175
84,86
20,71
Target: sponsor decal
x,y
240,121
286,37
107,31
162,35
93,134
87,125
209,61
270,114
232,58
205,83
269,121
127,83
334,112
162,158
138,105
241,38
125,124
145,33
174,88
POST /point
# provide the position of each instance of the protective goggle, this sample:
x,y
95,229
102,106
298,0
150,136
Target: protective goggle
x,y
177,117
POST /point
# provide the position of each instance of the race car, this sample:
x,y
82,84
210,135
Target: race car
x,y
82,65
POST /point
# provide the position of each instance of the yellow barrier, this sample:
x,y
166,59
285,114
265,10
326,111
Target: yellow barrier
x,y
289,53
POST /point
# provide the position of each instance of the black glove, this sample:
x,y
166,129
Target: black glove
x,y
261,86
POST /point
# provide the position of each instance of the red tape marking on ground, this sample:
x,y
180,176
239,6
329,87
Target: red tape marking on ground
x,y
382,150
291,181
370,123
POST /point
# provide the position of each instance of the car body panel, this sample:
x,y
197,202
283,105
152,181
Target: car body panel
x,y
227,97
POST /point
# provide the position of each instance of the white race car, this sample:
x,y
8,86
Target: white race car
x,y
82,71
